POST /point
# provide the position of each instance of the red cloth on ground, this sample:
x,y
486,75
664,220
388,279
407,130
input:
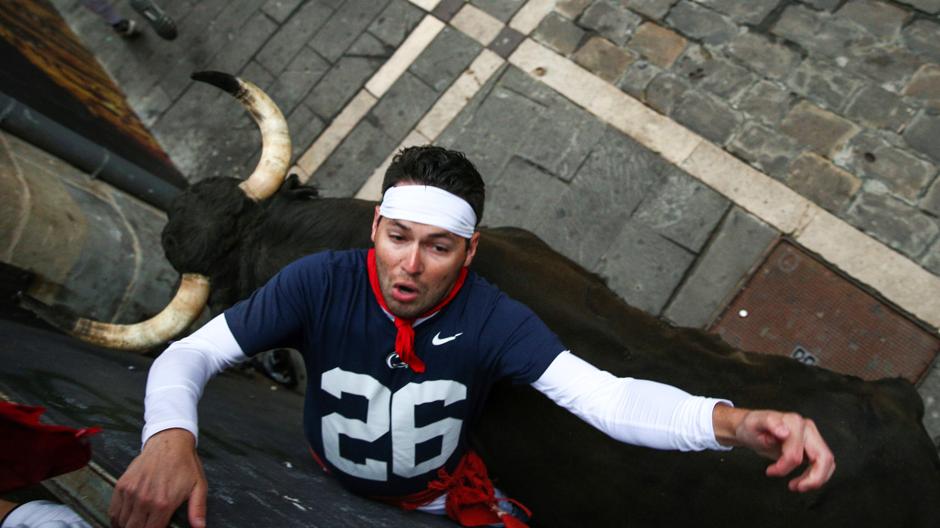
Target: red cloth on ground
x,y
31,452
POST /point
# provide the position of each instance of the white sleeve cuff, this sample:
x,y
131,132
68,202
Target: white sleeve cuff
x,y
178,376
638,412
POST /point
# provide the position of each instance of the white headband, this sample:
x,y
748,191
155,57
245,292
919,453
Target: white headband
x,y
429,205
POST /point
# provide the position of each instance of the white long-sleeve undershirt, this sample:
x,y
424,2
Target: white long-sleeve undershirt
x,y
638,412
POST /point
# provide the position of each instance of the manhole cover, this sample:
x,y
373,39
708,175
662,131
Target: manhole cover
x,y
796,306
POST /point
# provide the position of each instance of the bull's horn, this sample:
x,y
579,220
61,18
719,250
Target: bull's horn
x,y
187,304
275,139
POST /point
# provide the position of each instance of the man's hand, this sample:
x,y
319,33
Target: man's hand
x,y
787,438
165,474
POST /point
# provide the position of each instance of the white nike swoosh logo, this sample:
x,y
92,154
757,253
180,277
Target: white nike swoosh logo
x,y
437,340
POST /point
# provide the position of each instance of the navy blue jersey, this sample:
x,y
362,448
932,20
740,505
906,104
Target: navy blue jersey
x,y
384,430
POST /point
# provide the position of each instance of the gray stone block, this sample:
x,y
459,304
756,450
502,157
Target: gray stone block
x,y
644,268
522,196
770,59
824,83
822,182
501,9
820,32
901,226
279,10
659,45
256,73
345,26
922,134
891,66
573,227
402,106
879,108
873,158
765,148
446,9
881,19
299,29
655,9
766,101
492,126
930,6
506,42
611,20
445,58
397,21
664,91
637,77
923,37
798,24
351,164
826,5
712,118
251,37
347,76
298,78
526,86
571,9
701,23
566,134
752,12
738,247
604,59
559,33
931,201
682,209
818,129
925,85
931,259
621,170
304,126
714,73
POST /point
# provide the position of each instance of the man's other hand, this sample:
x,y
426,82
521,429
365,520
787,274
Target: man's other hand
x,y
787,438
165,474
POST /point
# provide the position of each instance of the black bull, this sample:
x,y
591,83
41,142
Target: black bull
x,y
888,471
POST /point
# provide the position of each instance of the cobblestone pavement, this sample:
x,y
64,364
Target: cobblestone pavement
x,y
837,100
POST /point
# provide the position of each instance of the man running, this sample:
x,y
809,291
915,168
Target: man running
x,y
388,330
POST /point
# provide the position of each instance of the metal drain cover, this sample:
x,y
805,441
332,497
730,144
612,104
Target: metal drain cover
x,y
795,306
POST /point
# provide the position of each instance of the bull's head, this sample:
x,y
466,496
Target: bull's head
x,y
193,244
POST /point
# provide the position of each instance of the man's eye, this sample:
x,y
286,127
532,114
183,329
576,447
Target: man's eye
x,y
441,249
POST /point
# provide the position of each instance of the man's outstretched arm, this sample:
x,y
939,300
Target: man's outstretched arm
x,y
660,416
168,471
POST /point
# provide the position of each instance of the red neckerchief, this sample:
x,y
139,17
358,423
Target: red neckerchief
x,y
405,338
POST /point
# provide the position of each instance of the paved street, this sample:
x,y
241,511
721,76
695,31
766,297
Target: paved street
x,y
663,144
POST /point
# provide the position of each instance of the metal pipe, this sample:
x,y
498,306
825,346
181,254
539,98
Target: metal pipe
x,y
99,162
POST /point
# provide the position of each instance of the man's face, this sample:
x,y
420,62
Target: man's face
x,y
417,263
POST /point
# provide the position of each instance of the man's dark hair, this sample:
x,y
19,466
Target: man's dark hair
x,y
438,167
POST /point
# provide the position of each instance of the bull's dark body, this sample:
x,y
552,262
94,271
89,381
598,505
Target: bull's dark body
x,y
571,475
